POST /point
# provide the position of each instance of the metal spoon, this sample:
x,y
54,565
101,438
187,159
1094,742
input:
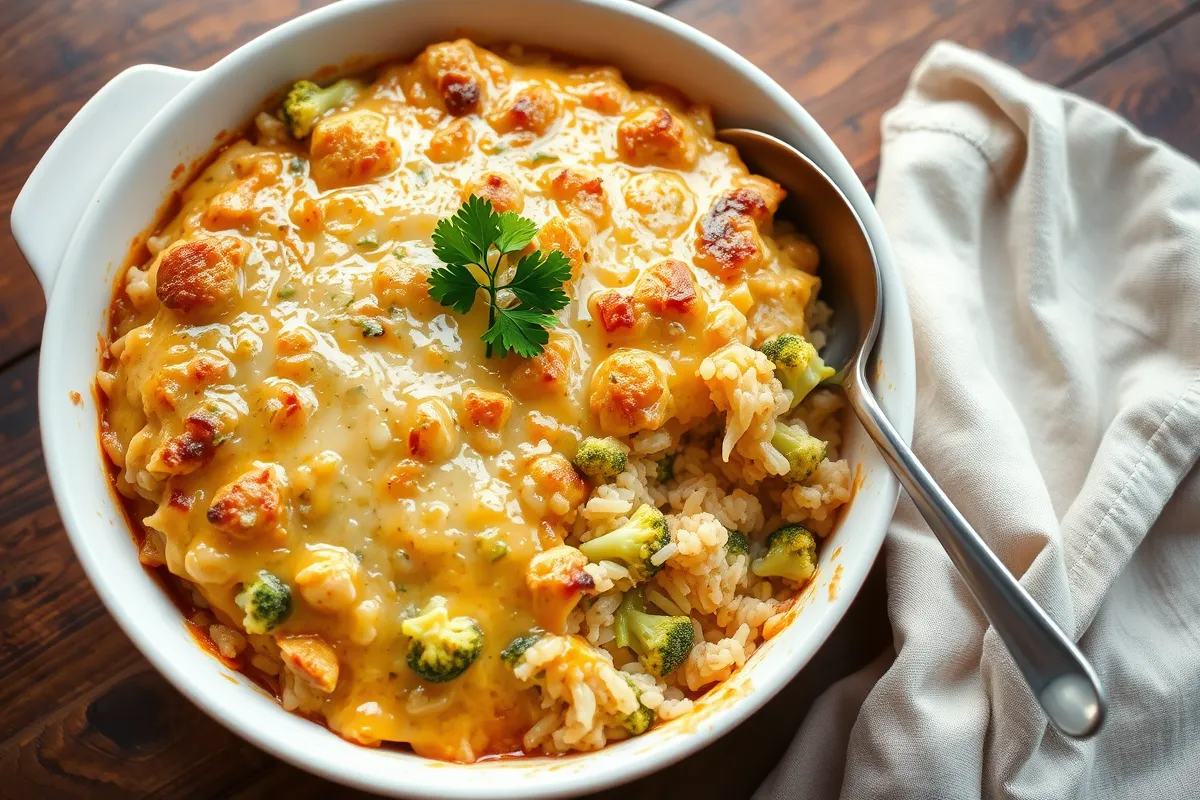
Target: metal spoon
x,y
1057,673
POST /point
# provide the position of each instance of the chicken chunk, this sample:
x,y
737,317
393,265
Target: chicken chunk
x,y
191,449
532,108
308,215
727,236
605,91
655,136
502,190
726,323
486,409
286,404
454,70
556,234
200,275
166,388
311,659
163,389
665,290
233,208
616,311
547,374
667,287
558,581
352,148
551,487
581,193
630,392
404,479
452,142
433,436
327,581
238,206
293,341
208,367
759,197
251,507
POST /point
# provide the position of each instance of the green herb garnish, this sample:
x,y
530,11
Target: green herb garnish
x,y
542,158
370,242
474,245
286,291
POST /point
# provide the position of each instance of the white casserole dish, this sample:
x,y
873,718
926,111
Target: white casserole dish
x,y
101,183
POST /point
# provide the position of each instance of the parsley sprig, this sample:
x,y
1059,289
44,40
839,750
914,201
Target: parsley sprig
x,y
474,245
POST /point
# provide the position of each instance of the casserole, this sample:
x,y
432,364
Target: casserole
x,y
133,180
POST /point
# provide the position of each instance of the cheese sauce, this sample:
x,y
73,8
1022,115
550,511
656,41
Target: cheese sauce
x,y
285,396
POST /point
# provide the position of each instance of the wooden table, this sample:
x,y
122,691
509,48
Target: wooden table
x,y
81,712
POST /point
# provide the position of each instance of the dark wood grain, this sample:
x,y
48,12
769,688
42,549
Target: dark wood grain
x,y
849,61
54,55
131,735
1157,85
84,715
49,615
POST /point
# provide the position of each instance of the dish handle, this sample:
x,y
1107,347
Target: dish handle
x,y
51,203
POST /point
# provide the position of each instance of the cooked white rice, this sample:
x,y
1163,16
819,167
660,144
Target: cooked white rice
x,y
722,480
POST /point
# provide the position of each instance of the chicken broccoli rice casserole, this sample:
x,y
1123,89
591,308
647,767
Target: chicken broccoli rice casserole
x,y
475,404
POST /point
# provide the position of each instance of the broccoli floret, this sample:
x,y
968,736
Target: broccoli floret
x,y
639,721
797,364
267,603
803,452
306,102
601,458
662,643
515,651
791,554
666,468
737,544
442,647
634,544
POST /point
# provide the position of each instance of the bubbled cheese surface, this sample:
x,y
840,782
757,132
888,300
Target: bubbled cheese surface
x,y
285,396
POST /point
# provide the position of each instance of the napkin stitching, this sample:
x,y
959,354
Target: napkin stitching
x,y
975,144
1136,474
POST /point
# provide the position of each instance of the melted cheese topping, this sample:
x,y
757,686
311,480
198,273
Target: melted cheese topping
x,y
285,396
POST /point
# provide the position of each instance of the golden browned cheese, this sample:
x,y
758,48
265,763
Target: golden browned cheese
x,y
285,396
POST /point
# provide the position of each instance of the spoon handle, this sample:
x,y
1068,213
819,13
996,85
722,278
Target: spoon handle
x,y
1060,677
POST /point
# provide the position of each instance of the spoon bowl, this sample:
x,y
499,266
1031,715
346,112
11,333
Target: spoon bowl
x,y
1060,678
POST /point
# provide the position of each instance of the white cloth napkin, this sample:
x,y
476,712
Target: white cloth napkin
x,y
1051,256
